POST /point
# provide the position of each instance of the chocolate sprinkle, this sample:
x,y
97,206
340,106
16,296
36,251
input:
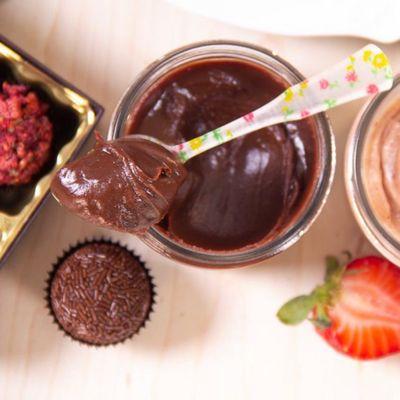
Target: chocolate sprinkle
x,y
100,293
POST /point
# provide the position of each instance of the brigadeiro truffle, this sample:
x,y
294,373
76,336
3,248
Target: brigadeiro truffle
x,y
25,134
100,293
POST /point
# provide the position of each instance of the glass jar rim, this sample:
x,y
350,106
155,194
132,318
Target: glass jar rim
x,y
193,256
376,233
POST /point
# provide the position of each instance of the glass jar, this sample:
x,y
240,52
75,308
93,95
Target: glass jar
x,y
355,179
165,245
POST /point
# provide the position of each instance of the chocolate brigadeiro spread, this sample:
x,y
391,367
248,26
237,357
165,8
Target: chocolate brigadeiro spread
x,y
243,193
380,167
100,293
126,184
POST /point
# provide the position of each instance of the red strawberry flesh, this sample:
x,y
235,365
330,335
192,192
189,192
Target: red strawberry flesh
x,y
365,315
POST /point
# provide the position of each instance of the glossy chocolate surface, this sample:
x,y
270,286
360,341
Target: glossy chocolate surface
x,y
244,192
126,184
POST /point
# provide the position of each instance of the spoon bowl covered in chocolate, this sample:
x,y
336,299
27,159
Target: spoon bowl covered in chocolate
x,y
126,184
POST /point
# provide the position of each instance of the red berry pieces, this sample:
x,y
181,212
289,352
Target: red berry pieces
x,y
25,134
356,310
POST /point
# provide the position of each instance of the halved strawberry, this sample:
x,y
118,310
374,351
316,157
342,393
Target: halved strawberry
x,y
356,310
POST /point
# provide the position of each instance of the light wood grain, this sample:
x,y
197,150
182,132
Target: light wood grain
x,y
214,334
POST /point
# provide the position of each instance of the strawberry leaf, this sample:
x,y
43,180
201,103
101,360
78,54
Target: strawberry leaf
x,y
296,310
321,323
321,319
332,266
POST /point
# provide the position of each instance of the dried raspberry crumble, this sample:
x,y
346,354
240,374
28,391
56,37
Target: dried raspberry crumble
x,y
25,134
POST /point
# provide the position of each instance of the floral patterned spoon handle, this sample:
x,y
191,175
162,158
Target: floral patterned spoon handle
x,y
364,73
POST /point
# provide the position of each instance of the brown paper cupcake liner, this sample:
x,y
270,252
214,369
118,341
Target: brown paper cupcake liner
x,y
70,251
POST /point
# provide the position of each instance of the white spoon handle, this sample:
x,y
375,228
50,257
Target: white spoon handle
x,y
364,73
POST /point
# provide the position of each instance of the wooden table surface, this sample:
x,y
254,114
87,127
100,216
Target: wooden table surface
x,y
214,334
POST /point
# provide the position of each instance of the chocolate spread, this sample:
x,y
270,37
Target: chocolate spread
x,y
380,168
244,192
127,184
